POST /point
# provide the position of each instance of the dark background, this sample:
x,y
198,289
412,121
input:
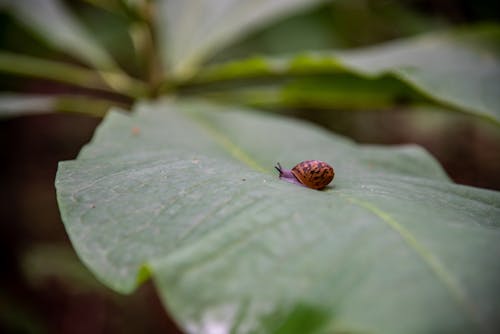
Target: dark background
x,y
43,286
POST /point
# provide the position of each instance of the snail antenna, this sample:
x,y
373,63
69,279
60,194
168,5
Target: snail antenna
x,y
278,168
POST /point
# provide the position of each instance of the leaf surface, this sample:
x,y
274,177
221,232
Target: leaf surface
x,y
185,192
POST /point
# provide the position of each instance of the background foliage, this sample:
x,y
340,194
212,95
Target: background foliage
x,y
109,58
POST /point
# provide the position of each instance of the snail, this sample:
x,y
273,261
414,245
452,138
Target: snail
x,y
313,174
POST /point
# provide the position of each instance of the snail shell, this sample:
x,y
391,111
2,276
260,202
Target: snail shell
x,y
313,174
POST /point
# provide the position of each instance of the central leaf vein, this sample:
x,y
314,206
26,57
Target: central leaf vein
x,y
228,145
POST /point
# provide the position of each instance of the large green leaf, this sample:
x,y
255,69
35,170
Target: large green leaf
x,y
459,69
191,30
185,192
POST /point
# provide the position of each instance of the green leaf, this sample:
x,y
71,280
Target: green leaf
x,y
458,69
192,30
53,22
340,91
185,192
12,105
17,64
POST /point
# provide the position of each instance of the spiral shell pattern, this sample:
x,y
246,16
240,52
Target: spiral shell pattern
x,y
313,174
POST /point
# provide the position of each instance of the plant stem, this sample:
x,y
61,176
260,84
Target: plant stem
x,y
142,33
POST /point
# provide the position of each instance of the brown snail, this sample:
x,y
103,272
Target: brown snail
x,y
313,174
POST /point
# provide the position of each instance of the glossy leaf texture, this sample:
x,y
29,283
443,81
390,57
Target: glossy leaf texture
x,y
192,30
184,192
459,69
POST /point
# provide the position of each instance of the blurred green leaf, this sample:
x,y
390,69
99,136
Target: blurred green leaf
x,y
111,28
192,30
114,6
12,105
56,24
53,22
53,70
185,192
340,91
47,69
334,25
459,69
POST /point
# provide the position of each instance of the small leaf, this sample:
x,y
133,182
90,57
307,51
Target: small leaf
x,y
185,192
458,69
191,30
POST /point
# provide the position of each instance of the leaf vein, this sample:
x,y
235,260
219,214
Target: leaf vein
x,y
226,143
435,266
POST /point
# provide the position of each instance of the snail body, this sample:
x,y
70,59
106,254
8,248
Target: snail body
x,y
313,174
